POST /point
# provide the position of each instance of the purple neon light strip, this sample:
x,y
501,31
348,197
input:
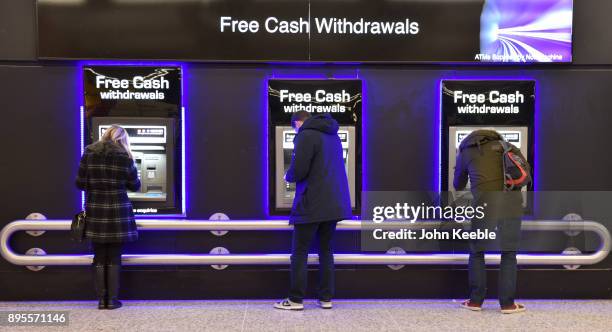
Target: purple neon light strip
x,y
439,138
364,149
82,120
82,64
310,76
266,175
183,143
183,167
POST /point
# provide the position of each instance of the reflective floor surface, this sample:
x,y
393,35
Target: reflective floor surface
x,y
347,315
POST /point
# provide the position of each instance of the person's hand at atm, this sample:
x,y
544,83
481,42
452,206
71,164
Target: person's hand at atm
x,y
133,182
303,152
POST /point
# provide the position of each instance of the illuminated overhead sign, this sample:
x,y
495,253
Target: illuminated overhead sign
x,y
498,31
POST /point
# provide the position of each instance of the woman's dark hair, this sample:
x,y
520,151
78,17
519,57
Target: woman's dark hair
x,y
299,116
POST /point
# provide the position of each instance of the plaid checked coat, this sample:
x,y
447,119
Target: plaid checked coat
x,y
105,173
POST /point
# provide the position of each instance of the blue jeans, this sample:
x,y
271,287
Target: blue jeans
x,y
303,235
507,278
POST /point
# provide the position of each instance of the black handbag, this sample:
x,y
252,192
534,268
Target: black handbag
x,y
77,228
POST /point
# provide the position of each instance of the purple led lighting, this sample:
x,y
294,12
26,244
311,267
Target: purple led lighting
x,y
438,137
266,132
537,122
304,77
536,131
309,76
364,149
81,90
81,104
128,63
82,144
183,170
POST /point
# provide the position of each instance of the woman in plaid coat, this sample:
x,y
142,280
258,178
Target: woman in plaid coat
x,y
106,172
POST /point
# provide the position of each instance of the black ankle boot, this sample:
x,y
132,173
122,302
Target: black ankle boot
x,y
112,278
100,285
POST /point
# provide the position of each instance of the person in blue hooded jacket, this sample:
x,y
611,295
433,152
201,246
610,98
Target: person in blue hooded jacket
x,y
321,200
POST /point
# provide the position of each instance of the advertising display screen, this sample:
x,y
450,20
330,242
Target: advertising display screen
x,y
147,102
489,31
526,31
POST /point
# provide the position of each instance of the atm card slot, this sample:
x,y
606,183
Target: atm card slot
x,y
137,147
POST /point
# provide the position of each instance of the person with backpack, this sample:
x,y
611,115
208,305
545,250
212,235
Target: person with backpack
x,y
496,171
321,200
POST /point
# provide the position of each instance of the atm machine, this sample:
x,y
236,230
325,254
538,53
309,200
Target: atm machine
x,y
341,98
152,144
285,191
517,136
484,108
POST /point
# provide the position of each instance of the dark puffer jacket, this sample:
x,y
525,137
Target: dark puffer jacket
x,y
480,160
106,172
317,167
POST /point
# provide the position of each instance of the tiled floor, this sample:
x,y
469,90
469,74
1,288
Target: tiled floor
x,y
347,315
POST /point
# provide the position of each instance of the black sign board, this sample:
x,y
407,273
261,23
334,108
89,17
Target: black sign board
x,y
306,30
340,98
489,102
132,90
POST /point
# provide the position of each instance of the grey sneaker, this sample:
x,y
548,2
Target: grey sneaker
x,y
286,304
324,304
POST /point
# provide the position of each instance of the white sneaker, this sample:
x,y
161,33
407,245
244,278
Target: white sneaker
x,y
324,304
286,304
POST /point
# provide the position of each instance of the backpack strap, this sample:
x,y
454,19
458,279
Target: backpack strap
x,y
507,147
476,144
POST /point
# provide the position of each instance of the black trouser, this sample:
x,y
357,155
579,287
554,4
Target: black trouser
x,y
508,231
507,278
107,253
303,235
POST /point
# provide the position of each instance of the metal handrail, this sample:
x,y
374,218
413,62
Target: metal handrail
x,y
280,259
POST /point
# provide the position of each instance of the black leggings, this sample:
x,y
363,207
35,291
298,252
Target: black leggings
x,y
107,253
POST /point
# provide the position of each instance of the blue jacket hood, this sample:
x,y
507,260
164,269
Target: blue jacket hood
x,y
323,123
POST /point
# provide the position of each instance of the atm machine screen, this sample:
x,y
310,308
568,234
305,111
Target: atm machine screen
x,y
285,191
288,137
517,136
153,150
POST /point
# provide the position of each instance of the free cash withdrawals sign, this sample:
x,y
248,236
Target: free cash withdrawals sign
x,y
488,102
309,30
340,98
114,90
